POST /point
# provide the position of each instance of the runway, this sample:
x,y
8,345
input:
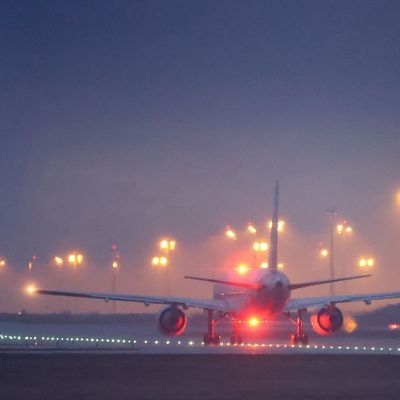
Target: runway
x,y
10,342
132,376
82,360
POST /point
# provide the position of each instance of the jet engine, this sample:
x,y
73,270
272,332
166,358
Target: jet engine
x,y
328,320
172,321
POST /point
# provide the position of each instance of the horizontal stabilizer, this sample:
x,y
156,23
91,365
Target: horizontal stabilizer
x,y
314,283
244,285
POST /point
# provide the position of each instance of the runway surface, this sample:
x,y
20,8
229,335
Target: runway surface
x,y
99,334
102,360
136,376
19,343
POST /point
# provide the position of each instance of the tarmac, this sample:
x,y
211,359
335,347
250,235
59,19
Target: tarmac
x,y
105,376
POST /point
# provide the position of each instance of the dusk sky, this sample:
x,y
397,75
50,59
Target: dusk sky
x,y
122,121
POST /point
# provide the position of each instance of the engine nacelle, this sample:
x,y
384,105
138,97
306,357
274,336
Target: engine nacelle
x,y
328,320
172,321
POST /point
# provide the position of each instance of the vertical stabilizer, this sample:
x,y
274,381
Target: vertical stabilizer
x,y
273,241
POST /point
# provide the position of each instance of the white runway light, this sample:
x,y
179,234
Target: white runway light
x,y
169,346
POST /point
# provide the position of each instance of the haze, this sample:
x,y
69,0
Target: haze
x,y
125,121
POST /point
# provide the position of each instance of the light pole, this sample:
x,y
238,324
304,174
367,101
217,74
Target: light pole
x,y
75,259
258,247
341,229
344,229
331,213
115,266
166,246
58,262
30,264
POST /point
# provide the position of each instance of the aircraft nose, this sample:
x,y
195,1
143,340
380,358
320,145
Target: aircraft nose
x,y
279,284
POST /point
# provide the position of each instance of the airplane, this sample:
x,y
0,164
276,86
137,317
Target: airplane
x,y
267,297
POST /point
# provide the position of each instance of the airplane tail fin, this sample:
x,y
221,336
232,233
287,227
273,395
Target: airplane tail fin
x,y
273,242
313,283
244,285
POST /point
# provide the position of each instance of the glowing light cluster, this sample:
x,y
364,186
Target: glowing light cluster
x,y
2,262
281,225
167,244
260,246
344,228
75,258
162,260
366,262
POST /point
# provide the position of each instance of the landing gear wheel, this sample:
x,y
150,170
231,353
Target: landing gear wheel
x,y
299,339
236,340
210,337
207,340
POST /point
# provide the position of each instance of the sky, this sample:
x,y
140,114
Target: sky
x,y
124,121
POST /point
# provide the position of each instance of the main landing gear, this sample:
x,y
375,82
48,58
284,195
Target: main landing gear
x,y
235,338
299,337
211,337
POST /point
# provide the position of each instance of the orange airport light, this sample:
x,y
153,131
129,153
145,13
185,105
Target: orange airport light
x,y
281,225
230,233
260,246
159,260
30,289
366,262
251,228
75,258
254,322
349,324
167,244
344,228
163,260
242,269
58,260
324,253
155,260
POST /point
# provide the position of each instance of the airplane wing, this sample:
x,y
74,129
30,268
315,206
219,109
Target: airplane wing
x,y
315,302
185,302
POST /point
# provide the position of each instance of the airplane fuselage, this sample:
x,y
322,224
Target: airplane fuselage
x,y
266,302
